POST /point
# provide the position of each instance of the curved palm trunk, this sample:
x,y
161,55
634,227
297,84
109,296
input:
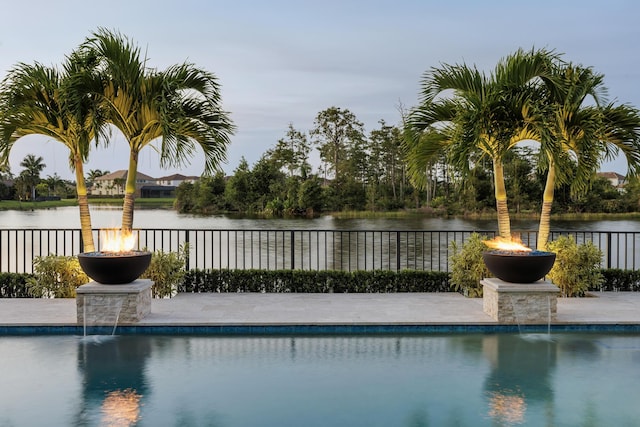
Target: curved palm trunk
x,y
129,193
504,223
83,204
545,214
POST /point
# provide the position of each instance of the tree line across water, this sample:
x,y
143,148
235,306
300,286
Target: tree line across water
x,y
280,182
266,188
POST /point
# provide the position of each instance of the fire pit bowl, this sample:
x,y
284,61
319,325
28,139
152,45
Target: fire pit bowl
x,y
519,267
114,268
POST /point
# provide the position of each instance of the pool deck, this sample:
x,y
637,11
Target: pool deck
x,y
605,308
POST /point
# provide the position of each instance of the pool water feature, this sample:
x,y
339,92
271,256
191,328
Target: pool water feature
x,y
474,380
112,317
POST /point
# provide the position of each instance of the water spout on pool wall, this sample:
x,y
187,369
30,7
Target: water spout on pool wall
x,y
115,324
531,336
520,303
107,316
515,314
112,305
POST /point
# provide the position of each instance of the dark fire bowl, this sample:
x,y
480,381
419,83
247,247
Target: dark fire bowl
x,y
111,268
519,267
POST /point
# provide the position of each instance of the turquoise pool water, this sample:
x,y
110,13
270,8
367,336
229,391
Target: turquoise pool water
x,y
571,379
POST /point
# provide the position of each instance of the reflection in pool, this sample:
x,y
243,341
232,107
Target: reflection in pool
x,y
379,380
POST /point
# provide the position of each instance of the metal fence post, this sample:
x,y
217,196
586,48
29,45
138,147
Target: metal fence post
x,y
608,249
293,250
397,251
188,250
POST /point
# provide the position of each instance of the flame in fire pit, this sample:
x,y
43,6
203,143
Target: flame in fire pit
x,y
116,240
511,261
512,245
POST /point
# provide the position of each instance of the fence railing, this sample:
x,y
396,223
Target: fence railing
x,y
300,249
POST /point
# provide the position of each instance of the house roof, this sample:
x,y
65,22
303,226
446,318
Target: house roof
x,y
176,177
122,174
612,175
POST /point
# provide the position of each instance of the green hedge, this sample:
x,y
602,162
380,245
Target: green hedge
x,y
14,285
620,280
304,281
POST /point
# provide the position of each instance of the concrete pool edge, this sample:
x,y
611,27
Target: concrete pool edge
x,y
313,329
301,313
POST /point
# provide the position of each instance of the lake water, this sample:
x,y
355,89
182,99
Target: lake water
x,y
222,241
110,217
465,380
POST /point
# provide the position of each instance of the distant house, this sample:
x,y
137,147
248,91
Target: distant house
x,y
165,186
113,184
617,180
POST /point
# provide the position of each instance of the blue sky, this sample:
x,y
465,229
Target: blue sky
x,y
282,62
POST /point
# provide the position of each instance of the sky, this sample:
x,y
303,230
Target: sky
x,y
282,62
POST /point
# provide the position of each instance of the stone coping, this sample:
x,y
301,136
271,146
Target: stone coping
x,y
128,288
520,303
220,310
314,329
499,285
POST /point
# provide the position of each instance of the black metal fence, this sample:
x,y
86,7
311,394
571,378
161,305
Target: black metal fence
x,y
300,249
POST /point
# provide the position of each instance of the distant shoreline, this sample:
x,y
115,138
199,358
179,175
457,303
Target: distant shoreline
x,y
160,203
167,203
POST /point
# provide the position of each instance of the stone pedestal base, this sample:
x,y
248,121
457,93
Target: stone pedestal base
x,y
520,303
99,304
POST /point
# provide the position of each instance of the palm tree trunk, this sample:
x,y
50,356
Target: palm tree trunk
x,y
504,223
545,214
129,193
83,205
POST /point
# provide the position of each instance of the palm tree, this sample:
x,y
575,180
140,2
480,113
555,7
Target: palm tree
x,y
483,113
119,184
54,182
180,107
93,174
31,174
577,131
35,99
5,171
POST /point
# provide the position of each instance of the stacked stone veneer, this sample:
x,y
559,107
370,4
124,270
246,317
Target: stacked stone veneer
x,y
520,303
99,304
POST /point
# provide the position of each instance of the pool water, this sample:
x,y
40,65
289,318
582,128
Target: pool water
x,y
565,379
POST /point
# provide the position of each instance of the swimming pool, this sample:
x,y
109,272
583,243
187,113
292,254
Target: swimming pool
x,y
504,379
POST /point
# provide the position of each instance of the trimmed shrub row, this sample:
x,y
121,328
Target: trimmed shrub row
x,y
619,280
14,285
304,281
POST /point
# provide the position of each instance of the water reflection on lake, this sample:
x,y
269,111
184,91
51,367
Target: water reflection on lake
x,y
110,217
221,241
